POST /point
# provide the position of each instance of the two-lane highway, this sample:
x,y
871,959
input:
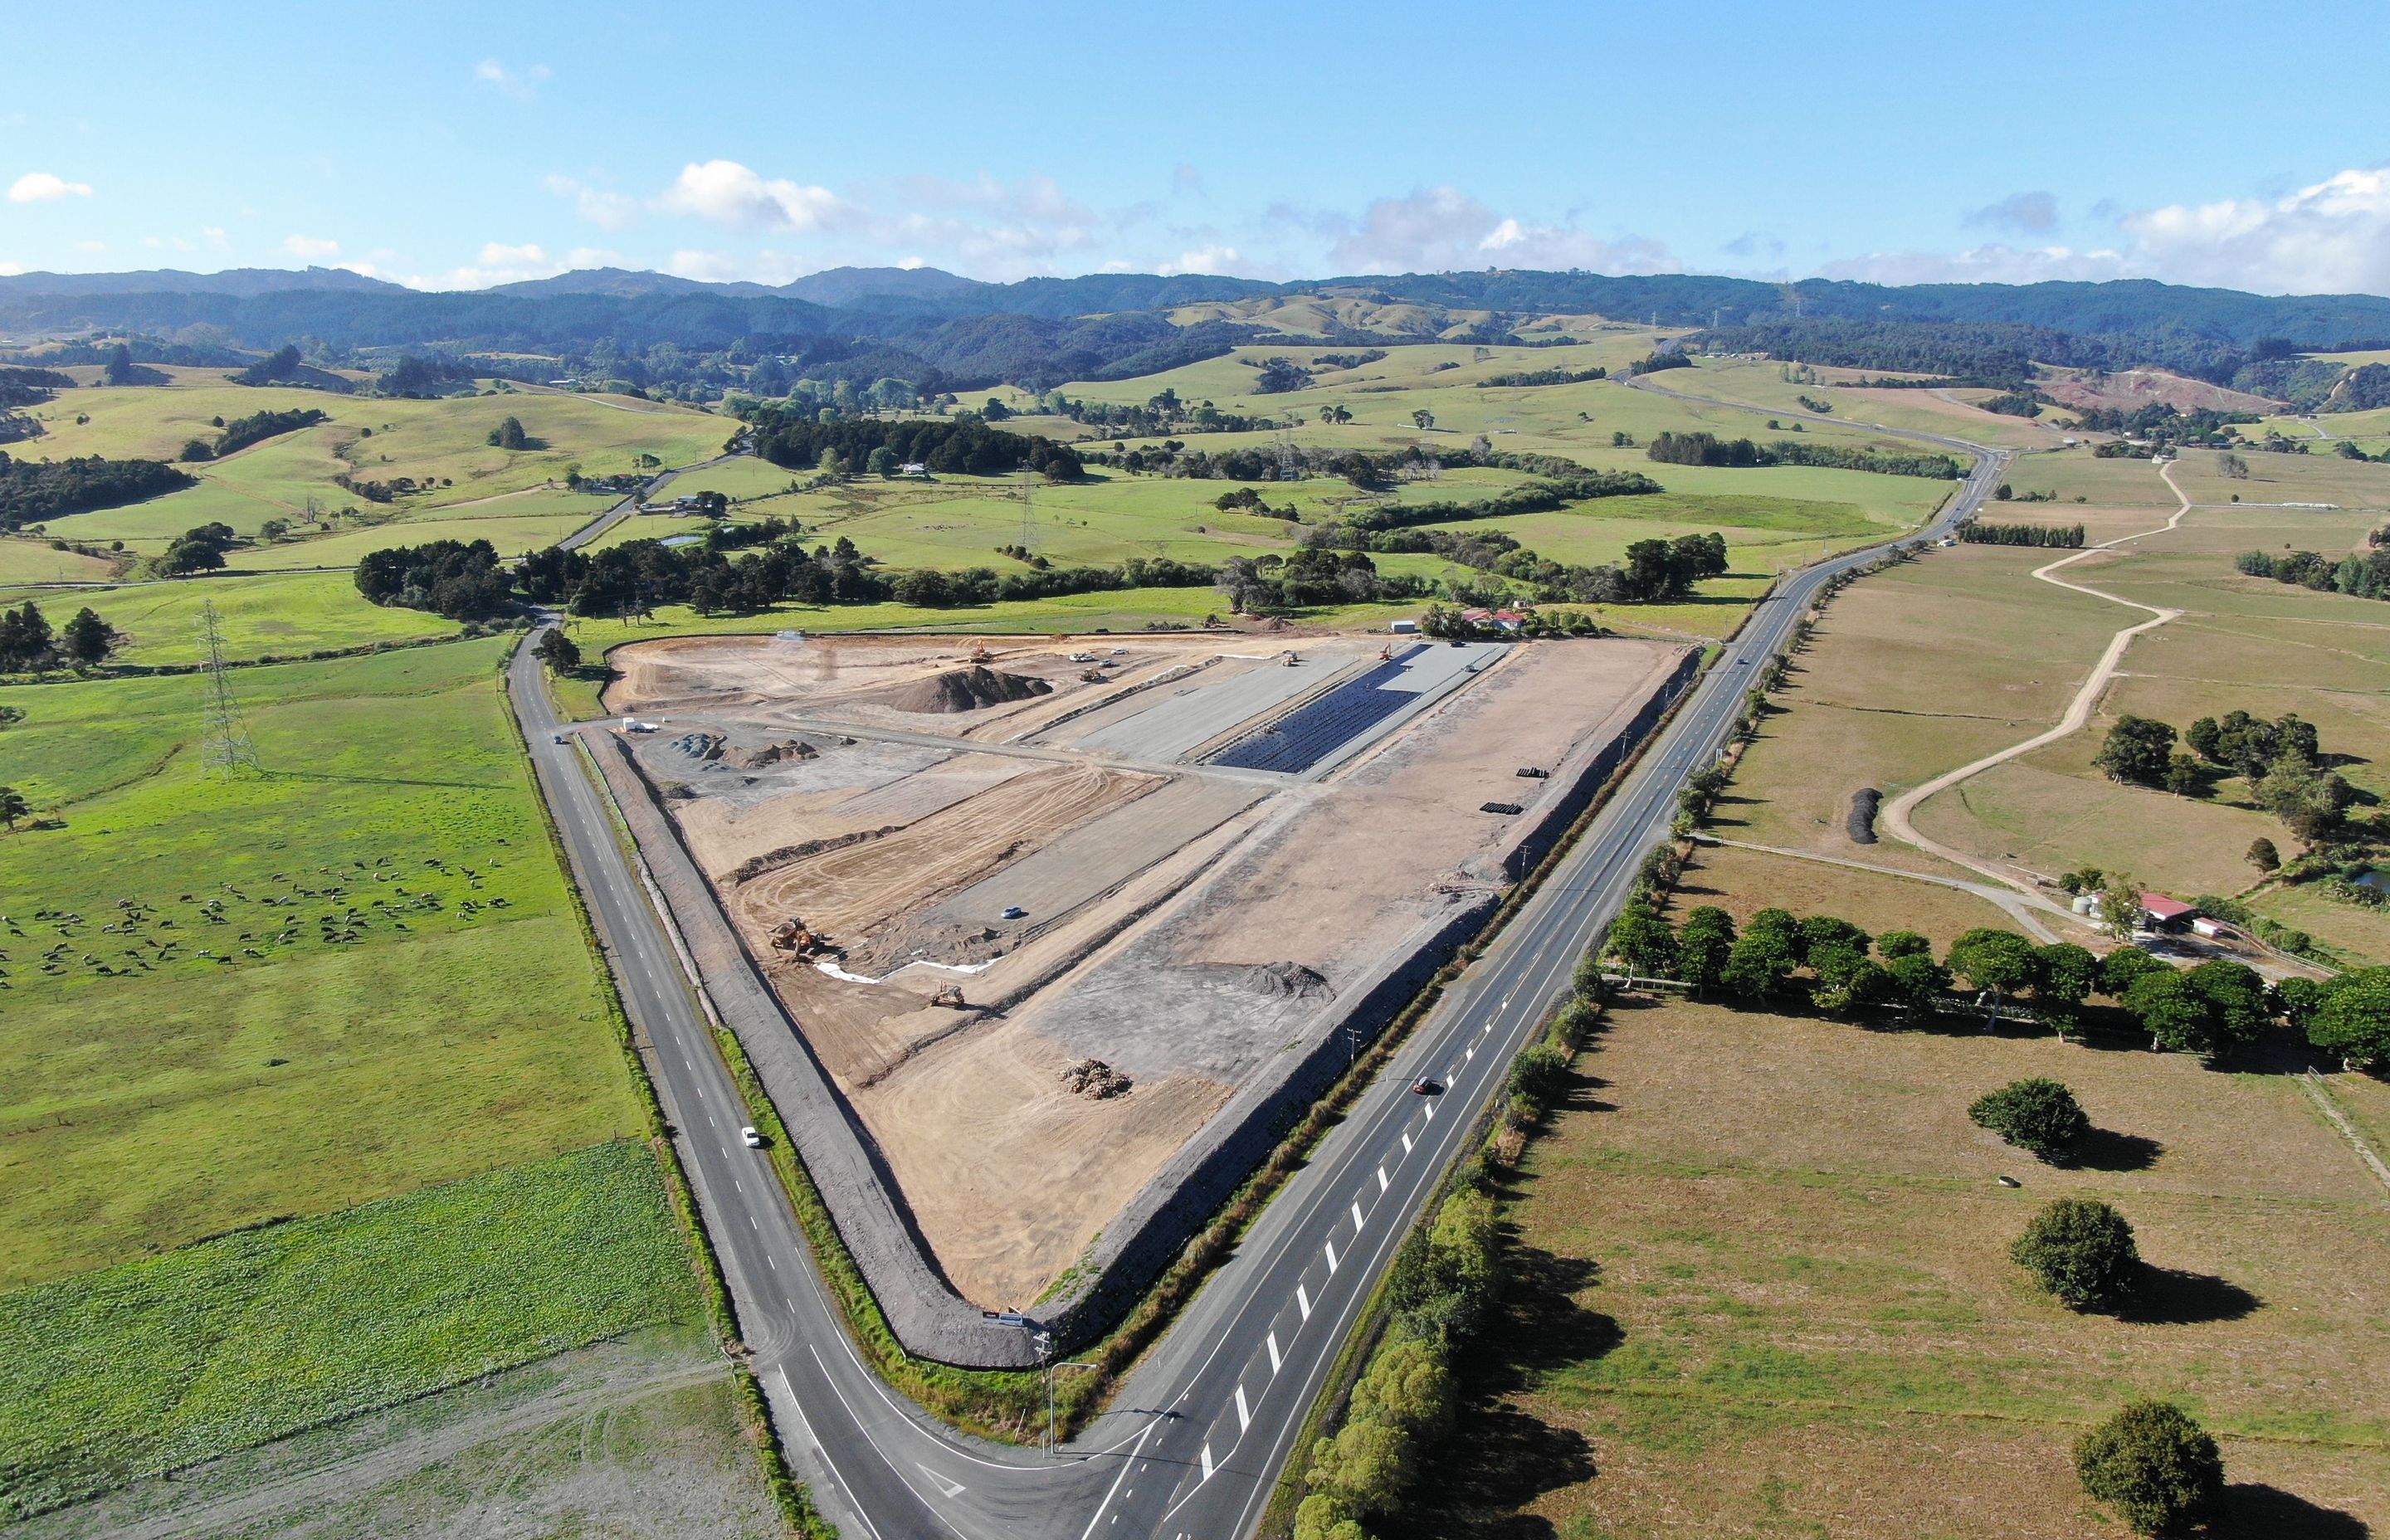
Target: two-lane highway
x,y
1201,1427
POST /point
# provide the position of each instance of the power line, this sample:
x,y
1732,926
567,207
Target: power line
x,y
227,747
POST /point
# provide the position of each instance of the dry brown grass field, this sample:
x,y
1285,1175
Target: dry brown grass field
x,y
1760,1287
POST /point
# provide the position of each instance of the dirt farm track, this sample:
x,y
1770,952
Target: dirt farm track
x,y
1071,835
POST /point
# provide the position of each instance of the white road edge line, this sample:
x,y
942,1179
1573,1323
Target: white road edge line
x,y
831,1465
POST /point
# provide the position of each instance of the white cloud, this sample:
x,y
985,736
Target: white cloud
x,y
728,193
2333,237
10,269
521,85
764,266
910,264
1215,259
610,210
1993,264
310,248
1439,229
40,186
2031,213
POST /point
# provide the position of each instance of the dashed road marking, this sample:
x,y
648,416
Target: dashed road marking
x,y
1356,1216
1275,1360
1382,1178
1244,1417
1207,1462
1302,1301
1407,1141
1331,1256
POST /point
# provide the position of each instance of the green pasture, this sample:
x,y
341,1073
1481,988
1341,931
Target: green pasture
x,y
278,615
441,443
33,561
409,1022
169,1360
740,479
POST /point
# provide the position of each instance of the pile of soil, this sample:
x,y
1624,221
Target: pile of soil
x,y
770,754
1094,1080
1285,980
962,689
1860,824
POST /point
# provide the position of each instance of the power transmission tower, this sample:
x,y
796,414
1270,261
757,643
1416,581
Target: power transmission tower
x,y
1029,520
227,748
1289,466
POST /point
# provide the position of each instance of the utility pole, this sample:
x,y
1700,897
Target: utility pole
x,y
227,747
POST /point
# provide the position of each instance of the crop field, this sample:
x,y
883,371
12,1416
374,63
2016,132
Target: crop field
x,y
245,1337
1762,1270
168,1085
1165,854
280,615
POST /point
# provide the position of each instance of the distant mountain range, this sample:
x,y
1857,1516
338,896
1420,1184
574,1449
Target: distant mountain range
x,y
918,321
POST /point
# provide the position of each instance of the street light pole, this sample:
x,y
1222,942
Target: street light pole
x,y
1049,1400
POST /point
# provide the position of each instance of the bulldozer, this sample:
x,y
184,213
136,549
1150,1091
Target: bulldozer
x,y
949,995
790,935
980,655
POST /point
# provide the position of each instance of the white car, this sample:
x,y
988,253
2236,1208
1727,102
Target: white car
x,y
753,1139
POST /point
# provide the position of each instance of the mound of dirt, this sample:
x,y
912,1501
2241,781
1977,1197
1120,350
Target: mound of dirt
x,y
962,689
1284,980
1094,1080
770,754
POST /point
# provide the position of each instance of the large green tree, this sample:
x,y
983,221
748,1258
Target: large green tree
x,y
2137,750
2351,1017
2082,1251
2154,1465
2037,1115
1703,945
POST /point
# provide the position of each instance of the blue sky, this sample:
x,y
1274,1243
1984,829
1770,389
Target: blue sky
x,y
453,145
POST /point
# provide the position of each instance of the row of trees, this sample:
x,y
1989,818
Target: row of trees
x,y
1441,1289
1700,447
2211,1010
1653,571
1974,532
28,641
964,446
2366,575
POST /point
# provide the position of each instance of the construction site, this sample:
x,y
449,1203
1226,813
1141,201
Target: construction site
x,y
1063,923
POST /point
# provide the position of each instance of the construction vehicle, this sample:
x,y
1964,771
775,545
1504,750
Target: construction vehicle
x,y
948,994
982,656
1292,658
790,935
1093,675
1386,653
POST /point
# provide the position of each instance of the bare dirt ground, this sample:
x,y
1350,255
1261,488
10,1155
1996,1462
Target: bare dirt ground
x,y
2133,389
1056,849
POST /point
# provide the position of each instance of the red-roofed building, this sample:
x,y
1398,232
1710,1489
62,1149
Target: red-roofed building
x,y
2161,913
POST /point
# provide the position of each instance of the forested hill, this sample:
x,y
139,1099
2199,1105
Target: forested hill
x,y
925,324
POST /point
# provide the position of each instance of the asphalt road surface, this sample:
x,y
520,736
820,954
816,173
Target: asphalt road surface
x,y
1199,1430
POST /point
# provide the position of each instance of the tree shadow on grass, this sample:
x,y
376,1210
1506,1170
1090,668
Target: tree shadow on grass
x,y
2166,1296
2252,1510
1501,1457
2106,1150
